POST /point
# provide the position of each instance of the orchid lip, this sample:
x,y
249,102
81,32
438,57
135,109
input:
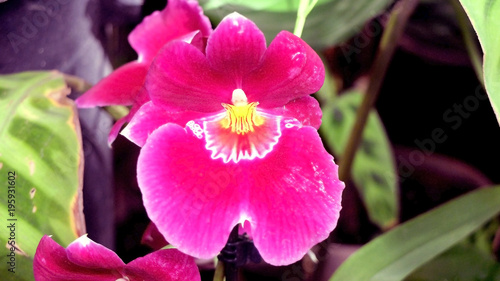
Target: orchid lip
x,y
241,132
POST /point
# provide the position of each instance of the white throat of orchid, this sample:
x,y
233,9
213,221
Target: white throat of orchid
x,y
240,132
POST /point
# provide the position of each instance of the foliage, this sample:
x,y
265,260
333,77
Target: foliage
x,y
41,150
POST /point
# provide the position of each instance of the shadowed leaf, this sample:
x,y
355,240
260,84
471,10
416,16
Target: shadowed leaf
x,y
397,253
330,22
374,169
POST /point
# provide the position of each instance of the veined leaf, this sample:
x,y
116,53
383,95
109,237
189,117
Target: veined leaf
x,y
41,166
374,168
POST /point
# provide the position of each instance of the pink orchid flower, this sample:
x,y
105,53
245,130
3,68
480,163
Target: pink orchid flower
x,y
230,136
181,19
86,260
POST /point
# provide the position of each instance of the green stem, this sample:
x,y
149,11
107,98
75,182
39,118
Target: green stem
x,y
392,33
219,272
77,83
469,38
304,9
117,111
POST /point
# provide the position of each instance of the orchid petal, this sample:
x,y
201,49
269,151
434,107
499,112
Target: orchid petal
x,y
115,129
150,117
177,19
166,265
294,198
290,69
305,109
139,100
291,197
236,47
180,77
86,253
121,87
52,264
153,238
178,177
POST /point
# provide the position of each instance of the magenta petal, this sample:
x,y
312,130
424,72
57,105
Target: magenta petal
x,y
140,99
305,109
150,117
295,197
166,265
290,69
121,87
177,19
195,201
87,253
236,46
52,264
180,77
115,130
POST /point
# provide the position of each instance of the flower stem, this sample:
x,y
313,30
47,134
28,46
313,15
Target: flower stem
x,y
219,272
469,40
304,9
228,259
393,31
117,111
77,83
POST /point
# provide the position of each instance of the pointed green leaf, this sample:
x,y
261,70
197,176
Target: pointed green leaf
x,y
374,168
460,263
397,253
41,145
485,17
330,22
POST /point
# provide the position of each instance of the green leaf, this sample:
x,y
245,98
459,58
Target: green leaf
x,y
460,263
259,5
330,22
397,253
485,17
374,168
41,144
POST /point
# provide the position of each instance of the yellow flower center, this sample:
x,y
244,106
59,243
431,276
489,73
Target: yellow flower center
x,y
241,116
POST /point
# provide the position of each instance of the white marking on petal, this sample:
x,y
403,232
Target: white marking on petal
x,y
83,241
195,128
235,147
